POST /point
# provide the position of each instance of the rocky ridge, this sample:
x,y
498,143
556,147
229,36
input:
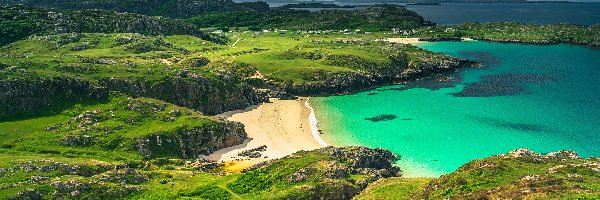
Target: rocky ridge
x,y
325,176
521,173
84,181
171,8
18,95
194,142
22,21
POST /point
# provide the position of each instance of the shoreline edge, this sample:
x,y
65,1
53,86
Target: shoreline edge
x,y
314,124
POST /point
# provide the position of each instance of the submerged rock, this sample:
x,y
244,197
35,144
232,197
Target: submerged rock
x,y
502,85
384,117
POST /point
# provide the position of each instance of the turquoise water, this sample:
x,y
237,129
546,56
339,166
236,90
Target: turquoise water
x,y
545,98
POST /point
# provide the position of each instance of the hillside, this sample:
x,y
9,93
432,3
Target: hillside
x,y
372,19
168,8
194,73
511,32
329,173
519,174
19,22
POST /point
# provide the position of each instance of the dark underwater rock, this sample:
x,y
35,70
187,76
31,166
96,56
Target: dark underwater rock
x,y
384,117
503,85
485,58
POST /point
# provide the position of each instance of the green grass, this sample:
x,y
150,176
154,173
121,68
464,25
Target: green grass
x,y
393,189
279,58
105,55
268,182
518,32
182,184
284,58
116,125
505,178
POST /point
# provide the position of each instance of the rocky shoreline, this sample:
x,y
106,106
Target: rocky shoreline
x,y
204,94
543,42
348,83
511,41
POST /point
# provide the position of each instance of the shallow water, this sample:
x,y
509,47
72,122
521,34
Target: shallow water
x,y
541,97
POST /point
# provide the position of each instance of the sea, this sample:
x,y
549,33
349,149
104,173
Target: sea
x,y
582,13
537,13
544,98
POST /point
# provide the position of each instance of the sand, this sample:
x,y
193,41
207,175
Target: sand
x,y
412,41
284,126
415,41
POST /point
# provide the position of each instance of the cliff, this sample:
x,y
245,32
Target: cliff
x,y
398,63
193,142
31,93
211,97
168,131
175,71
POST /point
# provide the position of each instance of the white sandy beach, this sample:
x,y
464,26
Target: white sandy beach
x,y
284,126
415,41
404,40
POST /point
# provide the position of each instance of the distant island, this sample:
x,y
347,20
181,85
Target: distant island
x,y
423,4
408,2
314,5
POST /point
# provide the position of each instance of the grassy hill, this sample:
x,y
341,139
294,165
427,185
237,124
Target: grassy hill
x,y
520,174
517,33
20,22
371,19
167,8
194,73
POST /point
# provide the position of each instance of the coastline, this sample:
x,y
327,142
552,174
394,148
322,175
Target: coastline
x,y
314,124
415,41
412,41
283,126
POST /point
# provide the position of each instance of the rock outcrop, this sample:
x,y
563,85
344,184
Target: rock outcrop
x,y
103,181
520,174
193,142
177,8
29,94
342,83
31,21
208,96
320,174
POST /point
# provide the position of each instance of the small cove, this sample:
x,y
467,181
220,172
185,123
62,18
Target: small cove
x,y
538,97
